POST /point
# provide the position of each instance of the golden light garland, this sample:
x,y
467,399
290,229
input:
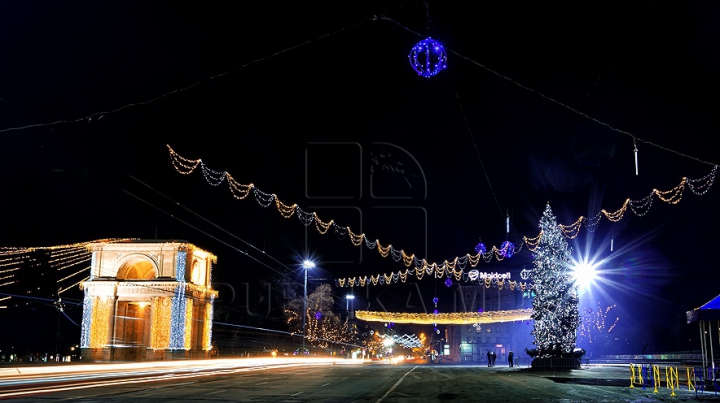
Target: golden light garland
x,y
77,284
14,250
450,318
61,257
639,207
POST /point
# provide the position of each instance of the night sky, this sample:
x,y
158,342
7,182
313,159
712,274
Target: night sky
x,y
317,103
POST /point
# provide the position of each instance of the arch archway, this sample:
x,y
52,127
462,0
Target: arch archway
x,y
138,267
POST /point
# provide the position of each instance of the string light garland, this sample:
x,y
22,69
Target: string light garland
x,y
449,318
99,115
76,284
15,250
60,257
453,268
407,340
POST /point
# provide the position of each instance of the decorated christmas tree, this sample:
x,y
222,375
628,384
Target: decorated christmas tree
x,y
555,305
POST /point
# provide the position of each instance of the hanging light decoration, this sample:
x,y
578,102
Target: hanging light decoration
x,y
507,249
635,150
525,273
428,57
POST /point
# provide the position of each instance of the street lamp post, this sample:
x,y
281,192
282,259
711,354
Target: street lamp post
x,y
306,265
347,303
347,311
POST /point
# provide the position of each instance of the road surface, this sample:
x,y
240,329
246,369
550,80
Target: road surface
x,y
287,380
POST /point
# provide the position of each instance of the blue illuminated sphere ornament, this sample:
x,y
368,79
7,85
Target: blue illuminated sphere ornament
x,y
507,249
448,282
428,57
480,248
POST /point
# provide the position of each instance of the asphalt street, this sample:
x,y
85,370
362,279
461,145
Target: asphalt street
x,y
377,382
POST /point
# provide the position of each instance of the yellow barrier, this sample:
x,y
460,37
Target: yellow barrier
x,y
672,378
691,378
656,376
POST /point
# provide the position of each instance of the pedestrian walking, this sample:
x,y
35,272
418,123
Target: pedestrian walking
x,y
489,355
510,359
493,357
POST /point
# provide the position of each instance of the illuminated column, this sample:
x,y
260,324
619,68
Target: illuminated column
x,y
98,304
177,320
188,324
207,322
86,320
179,332
100,322
160,327
207,327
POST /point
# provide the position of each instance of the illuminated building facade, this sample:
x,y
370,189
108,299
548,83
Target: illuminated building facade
x,y
507,330
478,319
147,300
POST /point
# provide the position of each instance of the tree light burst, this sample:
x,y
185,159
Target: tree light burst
x,y
584,274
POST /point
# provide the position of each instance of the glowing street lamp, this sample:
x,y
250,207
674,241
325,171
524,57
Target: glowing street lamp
x,y
347,302
347,311
307,264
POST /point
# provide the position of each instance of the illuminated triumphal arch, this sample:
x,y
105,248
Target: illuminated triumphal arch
x,y
147,300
